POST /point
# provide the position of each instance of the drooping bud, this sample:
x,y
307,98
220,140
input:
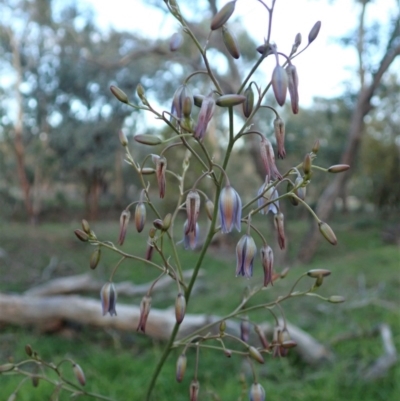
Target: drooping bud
x,y
249,102
307,166
338,168
209,209
166,223
230,210
149,248
28,350
257,392
119,94
222,16
230,42
140,92
145,306
146,139
86,226
175,42
279,84
296,44
81,235
180,308
327,232
245,251
95,258
268,198
245,330
255,354
267,260
161,167
279,130
194,390
279,225
140,215
268,159
314,32
108,296
181,367
192,210
293,84
315,147
123,224
336,299
261,335
79,375
158,224
190,239
230,100
205,114
122,138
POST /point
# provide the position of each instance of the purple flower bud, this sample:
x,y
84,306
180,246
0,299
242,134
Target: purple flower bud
x,y
108,296
245,330
279,130
192,210
190,238
230,209
223,15
245,251
145,306
267,260
181,367
175,42
279,84
78,372
293,83
205,114
268,158
257,392
180,308
123,223
194,390
140,216
268,198
161,167
278,222
314,32
81,235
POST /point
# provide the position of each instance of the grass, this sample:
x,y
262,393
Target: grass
x,y
364,270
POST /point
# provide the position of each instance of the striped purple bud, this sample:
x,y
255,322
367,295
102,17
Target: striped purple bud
x,y
257,392
268,198
245,251
194,390
145,306
279,84
140,216
293,84
245,330
161,167
268,158
192,210
205,114
279,130
123,225
230,209
267,260
181,367
280,229
108,296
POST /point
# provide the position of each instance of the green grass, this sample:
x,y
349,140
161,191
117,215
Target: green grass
x,y
120,364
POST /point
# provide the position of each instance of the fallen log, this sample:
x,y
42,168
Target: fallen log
x,y
49,312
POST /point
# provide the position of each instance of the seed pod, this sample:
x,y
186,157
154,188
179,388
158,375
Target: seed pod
x,y
146,139
255,354
180,308
78,372
81,235
175,42
336,299
230,42
314,32
222,15
279,84
230,100
95,258
119,94
181,367
248,104
338,168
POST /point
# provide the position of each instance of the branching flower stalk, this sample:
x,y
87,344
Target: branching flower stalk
x,y
188,129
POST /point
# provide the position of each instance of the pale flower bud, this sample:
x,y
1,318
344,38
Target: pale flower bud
x,y
181,367
78,372
223,15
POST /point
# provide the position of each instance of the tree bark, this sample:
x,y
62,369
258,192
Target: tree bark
x,y
325,205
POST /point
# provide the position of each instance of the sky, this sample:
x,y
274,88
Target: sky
x,y
325,69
